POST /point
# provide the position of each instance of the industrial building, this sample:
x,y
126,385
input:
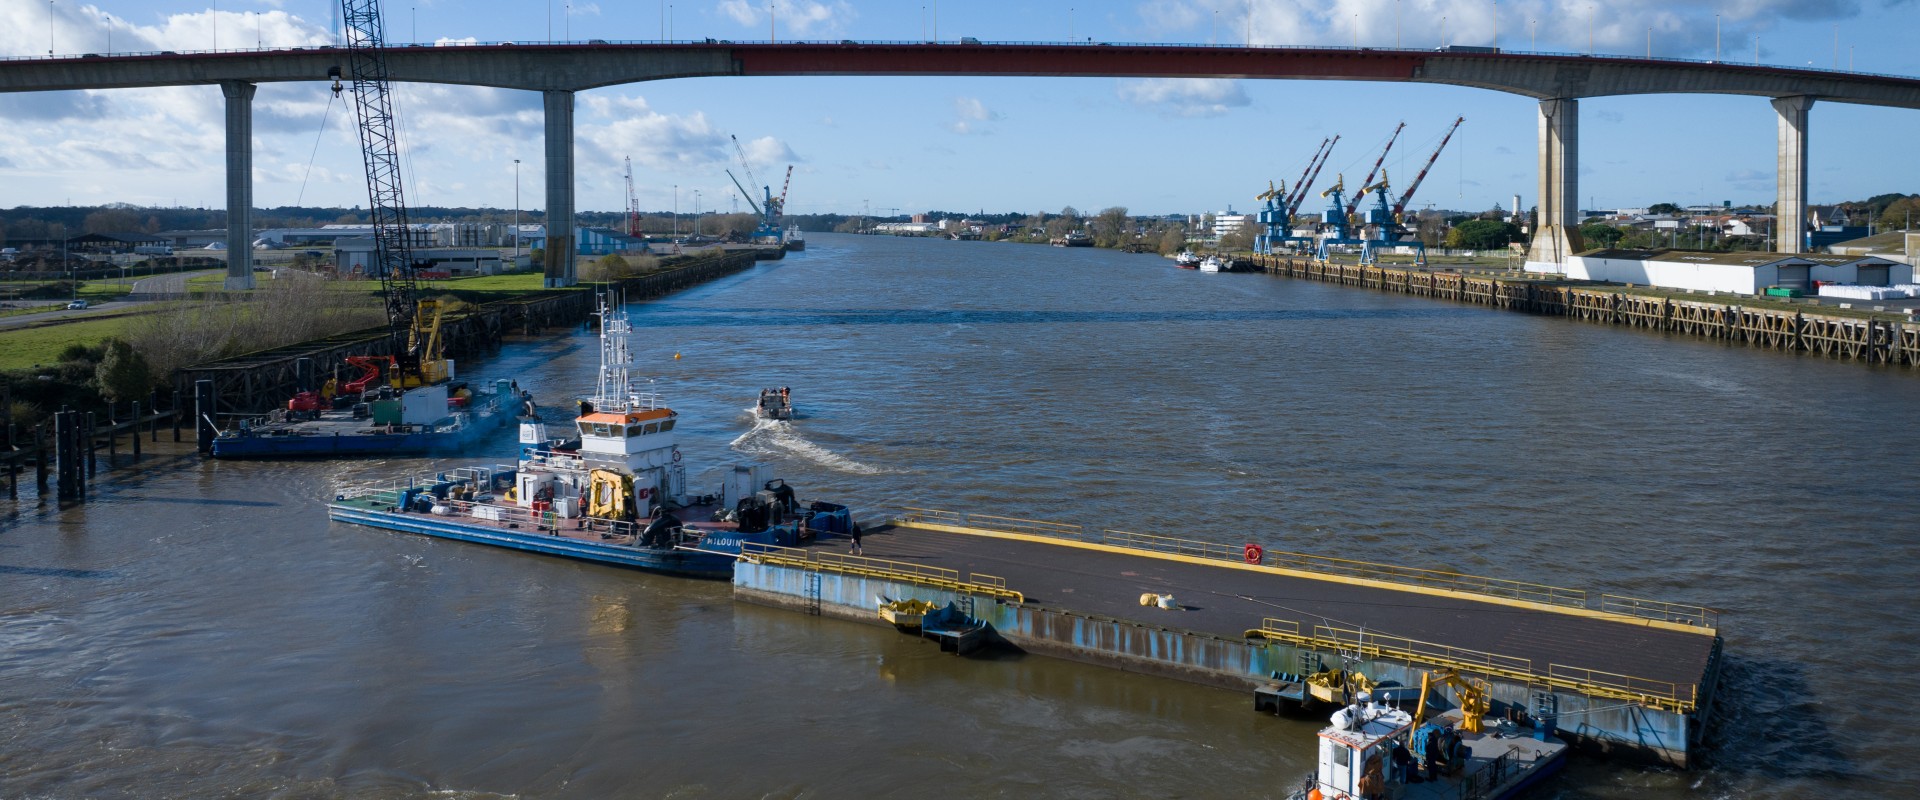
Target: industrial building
x,y
1748,273
353,256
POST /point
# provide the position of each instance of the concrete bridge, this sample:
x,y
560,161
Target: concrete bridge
x,y
1557,81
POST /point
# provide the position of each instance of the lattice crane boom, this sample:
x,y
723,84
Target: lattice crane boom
x,y
783,189
633,203
1306,186
1354,202
1400,207
1292,199
387,204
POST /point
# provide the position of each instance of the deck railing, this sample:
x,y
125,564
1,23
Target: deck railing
x,y
1679,698
883,569
1540,593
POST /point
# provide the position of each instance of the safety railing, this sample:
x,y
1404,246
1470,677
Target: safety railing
x,y
1336,48
1678,698
1660,609
883,569
1322,565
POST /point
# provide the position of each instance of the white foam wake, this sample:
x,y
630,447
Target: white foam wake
x,y
779,438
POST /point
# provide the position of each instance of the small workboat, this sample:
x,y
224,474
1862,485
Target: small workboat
x,y
1213,264
775,403
1187,259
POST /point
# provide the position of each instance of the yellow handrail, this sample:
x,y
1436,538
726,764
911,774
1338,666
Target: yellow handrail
x,y
1328,565
1679,698
883,569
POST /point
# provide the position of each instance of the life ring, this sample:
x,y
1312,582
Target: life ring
x,y
676,455
1254,553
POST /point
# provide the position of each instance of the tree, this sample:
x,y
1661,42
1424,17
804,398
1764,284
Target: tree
x,y
1113,227
1601,235
1240,238
123,373
1482,234
1174,240
1899,213
610,267
111,220
1664,208
1495,213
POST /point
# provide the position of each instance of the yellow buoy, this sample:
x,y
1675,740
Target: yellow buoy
x,y
676,356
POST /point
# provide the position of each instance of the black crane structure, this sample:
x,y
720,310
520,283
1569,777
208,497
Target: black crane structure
x,y
380,150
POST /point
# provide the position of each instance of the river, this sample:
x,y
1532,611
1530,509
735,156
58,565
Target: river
x,y
201,630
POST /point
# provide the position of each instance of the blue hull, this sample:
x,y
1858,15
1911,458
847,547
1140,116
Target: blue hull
x,y
354,444
673,562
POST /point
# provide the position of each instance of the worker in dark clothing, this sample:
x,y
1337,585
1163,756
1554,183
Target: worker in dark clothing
x,y
855,534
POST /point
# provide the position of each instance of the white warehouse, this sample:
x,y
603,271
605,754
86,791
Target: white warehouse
x,y
1739,273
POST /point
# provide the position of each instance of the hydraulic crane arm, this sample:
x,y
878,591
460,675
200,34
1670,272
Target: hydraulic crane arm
x,y
1401,206
743,191
1368,182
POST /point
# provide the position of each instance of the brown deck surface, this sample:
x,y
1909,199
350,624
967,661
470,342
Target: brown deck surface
x,y
1228,602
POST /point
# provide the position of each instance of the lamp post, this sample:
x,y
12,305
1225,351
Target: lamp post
x,y
49,27
516,210
696,212
1716,38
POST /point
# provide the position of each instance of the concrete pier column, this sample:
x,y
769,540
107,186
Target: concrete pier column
x,y
1790,204
1557,234
239,184
560,246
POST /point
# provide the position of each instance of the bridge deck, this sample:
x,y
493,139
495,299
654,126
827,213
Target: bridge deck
x,y
1225,601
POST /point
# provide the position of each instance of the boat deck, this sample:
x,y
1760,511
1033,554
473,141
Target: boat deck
x,y
697,521
1220,599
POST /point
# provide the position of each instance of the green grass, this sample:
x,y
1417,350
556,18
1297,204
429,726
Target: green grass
x,y
14,312
22,348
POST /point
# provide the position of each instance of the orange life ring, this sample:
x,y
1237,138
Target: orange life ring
x,y
1254,553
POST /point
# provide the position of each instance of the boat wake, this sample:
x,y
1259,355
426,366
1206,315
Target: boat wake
x,y
778,437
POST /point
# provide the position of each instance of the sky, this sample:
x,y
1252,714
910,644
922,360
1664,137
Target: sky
x,y
901,145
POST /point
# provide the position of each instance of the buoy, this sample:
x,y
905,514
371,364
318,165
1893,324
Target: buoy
x,y
676,356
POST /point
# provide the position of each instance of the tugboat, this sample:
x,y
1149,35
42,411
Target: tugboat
x,y
1373,750
796,241
775,404
616,493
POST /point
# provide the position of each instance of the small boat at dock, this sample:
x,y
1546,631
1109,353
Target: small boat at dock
x,y
1214,264
1186,259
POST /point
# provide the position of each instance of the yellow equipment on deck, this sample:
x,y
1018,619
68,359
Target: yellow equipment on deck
x,y
906,613
1474,696
424,339
1334,686
607,494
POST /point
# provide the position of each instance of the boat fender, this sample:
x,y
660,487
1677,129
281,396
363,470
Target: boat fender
x,y
1255,553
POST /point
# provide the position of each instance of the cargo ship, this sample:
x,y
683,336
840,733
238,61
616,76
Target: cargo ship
x,y
614,491
796,241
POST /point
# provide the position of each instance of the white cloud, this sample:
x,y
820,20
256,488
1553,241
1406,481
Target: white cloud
x,y
1679,29
1185,97
792,18
971,114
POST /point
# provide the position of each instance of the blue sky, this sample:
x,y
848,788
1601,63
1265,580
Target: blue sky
x,y
999,144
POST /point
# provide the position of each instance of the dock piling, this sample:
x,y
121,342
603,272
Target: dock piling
x,y
136,430
203,409
40,459
63,437
89,434
176,416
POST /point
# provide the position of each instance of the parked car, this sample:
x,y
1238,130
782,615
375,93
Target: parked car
x,y
77,304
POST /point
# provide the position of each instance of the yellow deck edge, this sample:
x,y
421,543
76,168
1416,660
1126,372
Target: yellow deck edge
x,y
1316,576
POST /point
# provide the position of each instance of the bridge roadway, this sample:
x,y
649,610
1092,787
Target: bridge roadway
x,y
1221,599
1557,81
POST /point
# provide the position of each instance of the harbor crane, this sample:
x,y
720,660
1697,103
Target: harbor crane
x,y
413,323
1401,207
1306,184
632,200
1354,202
769,212
788,184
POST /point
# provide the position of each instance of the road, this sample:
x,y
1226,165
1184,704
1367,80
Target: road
x,y
159,284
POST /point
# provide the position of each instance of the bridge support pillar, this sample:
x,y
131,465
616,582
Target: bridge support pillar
x,y
1790,203
239,184
560,245
1556,234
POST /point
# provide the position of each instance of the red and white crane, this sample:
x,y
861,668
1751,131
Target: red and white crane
x,y
1401,206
